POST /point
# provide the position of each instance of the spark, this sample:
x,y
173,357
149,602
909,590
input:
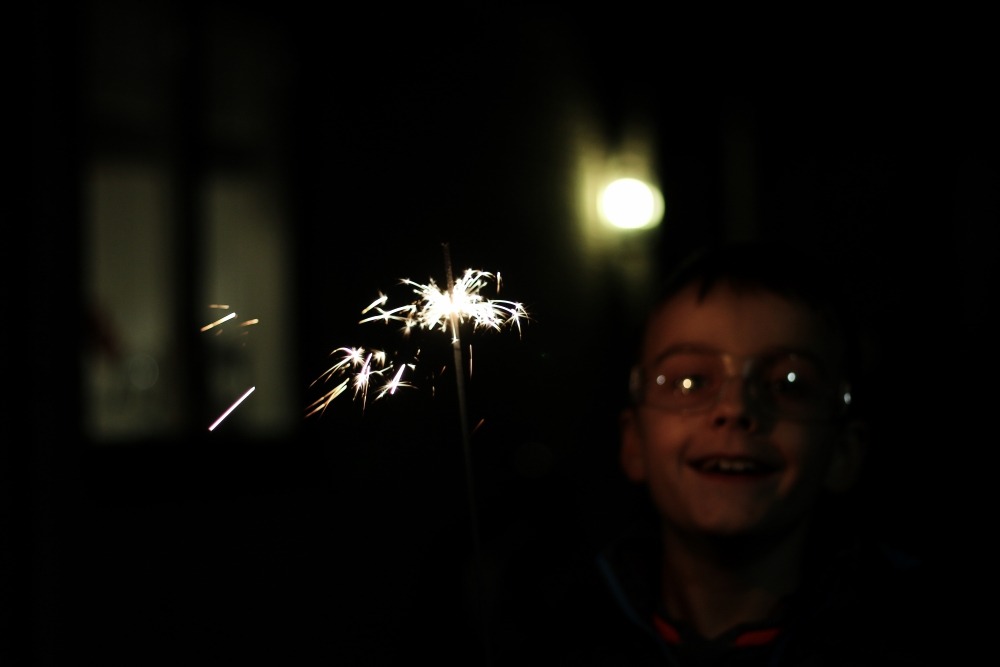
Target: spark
x,y
363,369
218,321
382,298
231,408
245,324
395,383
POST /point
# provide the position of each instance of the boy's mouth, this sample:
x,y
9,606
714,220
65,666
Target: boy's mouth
x,y
733,466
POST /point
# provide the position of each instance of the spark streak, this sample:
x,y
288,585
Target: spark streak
x,y
245,324
231,408
368,368
218,322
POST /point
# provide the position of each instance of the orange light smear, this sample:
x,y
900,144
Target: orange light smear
x,y
218,322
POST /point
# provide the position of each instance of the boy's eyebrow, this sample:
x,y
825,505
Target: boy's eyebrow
x,y
813,355
685,347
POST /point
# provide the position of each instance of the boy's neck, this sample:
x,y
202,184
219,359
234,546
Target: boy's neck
x,y
714,584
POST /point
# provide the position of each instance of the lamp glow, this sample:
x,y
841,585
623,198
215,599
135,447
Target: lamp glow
x,y
629,203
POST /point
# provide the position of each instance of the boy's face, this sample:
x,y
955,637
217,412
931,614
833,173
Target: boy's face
x,y
731,468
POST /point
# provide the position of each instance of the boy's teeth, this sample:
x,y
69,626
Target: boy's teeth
x,y
730,466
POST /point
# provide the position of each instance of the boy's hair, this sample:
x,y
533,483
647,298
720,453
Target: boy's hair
x,y
792,272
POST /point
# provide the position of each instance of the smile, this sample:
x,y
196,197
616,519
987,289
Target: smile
x,y
733,466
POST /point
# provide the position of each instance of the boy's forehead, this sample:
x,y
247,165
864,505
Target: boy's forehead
x,y
739,321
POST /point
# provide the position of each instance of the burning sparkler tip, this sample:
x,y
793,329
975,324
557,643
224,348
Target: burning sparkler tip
x,y
434,309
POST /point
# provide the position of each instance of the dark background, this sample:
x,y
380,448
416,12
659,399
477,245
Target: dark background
x,y
872,137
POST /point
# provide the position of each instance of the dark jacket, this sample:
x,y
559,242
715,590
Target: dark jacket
x,y
863,604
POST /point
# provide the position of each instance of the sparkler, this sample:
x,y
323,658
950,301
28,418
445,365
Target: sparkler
x,y
434,309
444,310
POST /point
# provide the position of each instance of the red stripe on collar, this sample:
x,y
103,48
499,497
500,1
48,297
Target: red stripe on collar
x,y
667,631
760,637
757,637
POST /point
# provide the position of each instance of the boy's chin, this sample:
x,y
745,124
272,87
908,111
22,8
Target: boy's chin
x,y
757,530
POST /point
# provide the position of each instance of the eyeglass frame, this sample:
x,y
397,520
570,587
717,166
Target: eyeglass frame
x,y
840,396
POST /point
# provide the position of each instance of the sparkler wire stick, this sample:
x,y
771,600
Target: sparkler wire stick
x,y
456,346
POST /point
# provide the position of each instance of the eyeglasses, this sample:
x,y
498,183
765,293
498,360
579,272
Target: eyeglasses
x,y
784,384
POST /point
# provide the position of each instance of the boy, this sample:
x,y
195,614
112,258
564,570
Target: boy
x,y
745,429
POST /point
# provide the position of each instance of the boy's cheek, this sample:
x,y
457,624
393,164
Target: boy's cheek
x,y
632,454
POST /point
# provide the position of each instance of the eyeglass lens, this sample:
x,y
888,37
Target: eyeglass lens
x,y
787,384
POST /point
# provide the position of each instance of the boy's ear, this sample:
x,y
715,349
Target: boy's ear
x,y
631,455
848,457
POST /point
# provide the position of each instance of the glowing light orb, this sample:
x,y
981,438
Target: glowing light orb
x,y
629,203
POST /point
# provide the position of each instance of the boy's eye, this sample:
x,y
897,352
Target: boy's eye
x,y
790,385
688,375
794,380
684,384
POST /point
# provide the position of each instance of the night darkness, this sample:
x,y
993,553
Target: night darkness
x,y
346,539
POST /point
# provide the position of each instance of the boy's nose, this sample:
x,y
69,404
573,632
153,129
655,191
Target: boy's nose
x,y
733,407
